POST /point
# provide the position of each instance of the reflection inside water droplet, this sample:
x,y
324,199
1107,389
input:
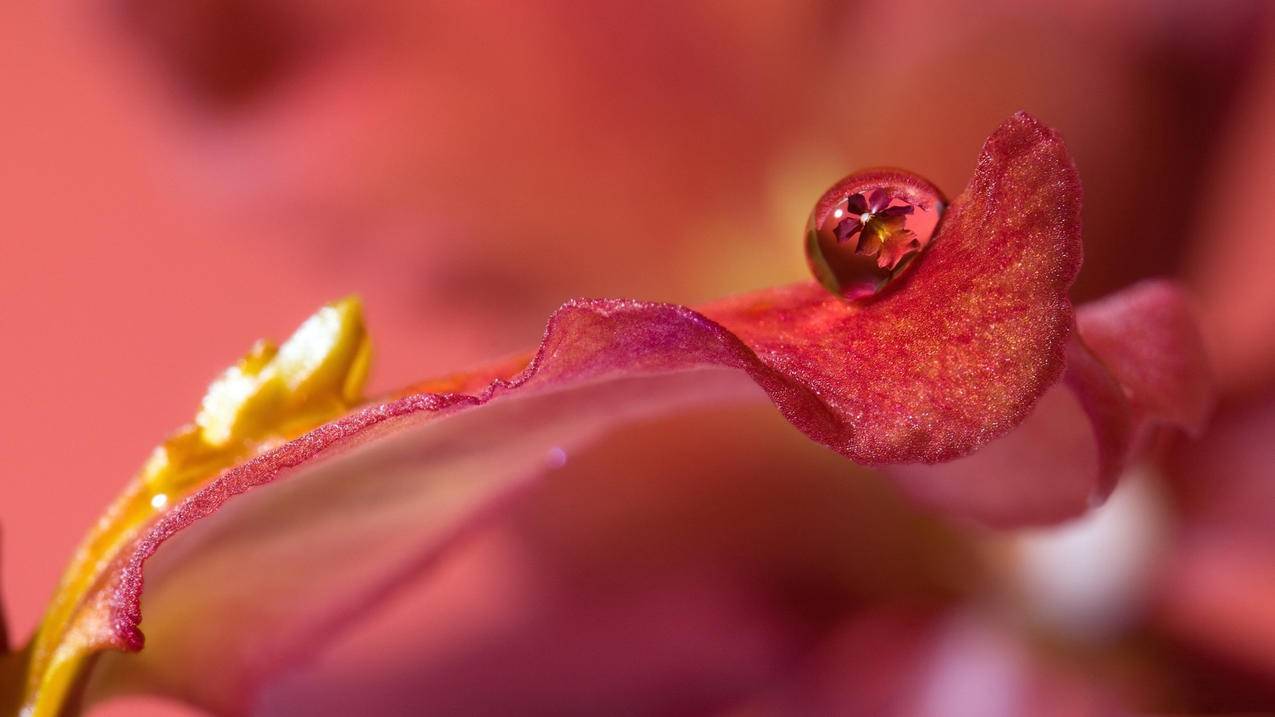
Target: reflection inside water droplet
x,y
869,229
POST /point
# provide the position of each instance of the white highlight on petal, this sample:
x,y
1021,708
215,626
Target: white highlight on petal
x,y
1089,578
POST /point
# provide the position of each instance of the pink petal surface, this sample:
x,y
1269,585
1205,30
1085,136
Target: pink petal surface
x,y
1138,363
900,664
326,543
685,577
1060,461
683,644
953,356
1149,338
1229,264
1215,589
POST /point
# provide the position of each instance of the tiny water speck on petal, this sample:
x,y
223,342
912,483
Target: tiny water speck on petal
x,y
556,458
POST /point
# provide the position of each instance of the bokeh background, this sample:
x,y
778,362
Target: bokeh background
x,y
180,177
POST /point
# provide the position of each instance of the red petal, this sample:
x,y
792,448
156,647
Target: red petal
x,y
1054,466
1148,337
895,664
957,352
1217,587
669,645
948,359
1145,366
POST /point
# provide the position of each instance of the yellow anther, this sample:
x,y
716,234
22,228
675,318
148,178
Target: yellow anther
x,y
268,395
244,394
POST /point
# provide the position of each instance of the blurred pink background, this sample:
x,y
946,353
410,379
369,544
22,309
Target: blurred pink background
x,y
178,179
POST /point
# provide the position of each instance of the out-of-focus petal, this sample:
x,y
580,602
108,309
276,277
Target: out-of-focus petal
x,y
1216,595
1150,340
672,646
896,664
1216,587
1230,261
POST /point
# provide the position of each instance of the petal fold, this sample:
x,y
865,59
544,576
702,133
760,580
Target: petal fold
x,y
1149,338
1136,364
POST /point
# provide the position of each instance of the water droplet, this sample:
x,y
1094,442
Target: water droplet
x,y
556,458
159,500
869,228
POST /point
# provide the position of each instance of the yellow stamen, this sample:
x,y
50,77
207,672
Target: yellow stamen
x,y
271,394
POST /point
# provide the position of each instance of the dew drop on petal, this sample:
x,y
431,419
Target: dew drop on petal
x,y
556,458
890,217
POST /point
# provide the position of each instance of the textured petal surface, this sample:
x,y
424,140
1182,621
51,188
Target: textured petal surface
x,y
952,357
958,351
1054,466
1138,363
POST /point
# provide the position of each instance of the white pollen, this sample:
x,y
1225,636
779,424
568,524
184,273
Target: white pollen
x,y
865,217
